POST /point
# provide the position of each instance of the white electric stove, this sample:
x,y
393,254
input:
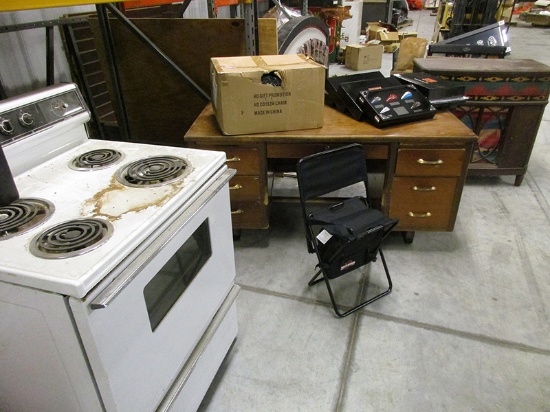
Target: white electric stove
x,y
126,251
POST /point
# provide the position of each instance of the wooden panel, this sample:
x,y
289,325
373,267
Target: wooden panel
x,y
430,162
244,188
160,105
249,215
297,151
523,126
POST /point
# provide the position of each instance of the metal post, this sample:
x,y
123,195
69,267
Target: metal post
x,y
105,27
50,68
304,7
140,35
183,8
211,9
251,27
86,90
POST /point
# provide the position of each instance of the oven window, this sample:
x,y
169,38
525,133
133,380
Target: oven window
x,y
162,292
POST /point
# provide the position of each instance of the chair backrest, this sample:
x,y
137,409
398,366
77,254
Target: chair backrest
x,y
325,172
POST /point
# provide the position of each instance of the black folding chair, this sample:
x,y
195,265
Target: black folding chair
x,y
345,234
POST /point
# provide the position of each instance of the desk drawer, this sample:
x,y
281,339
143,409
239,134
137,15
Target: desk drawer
x,y
245,160
299,150
423,203
415,217
430,162
244,188
249,215
423,190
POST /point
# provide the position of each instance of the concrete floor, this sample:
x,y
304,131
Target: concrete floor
x,y
466,328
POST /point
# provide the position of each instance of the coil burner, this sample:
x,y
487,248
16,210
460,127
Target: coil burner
x,y
95,160
23,215
71,238
153,171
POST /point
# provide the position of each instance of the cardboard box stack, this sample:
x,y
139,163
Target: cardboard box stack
x,y
254,94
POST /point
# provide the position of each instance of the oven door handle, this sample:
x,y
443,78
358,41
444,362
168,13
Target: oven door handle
x,y
110,292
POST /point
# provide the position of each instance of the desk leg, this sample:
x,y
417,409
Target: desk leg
x,y
408,236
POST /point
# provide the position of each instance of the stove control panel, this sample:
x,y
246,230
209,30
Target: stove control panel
x,y
27,114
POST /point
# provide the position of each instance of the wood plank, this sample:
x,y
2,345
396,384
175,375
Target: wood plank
x,y
160,105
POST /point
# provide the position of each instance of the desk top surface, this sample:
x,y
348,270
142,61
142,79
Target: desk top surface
x,y
443,128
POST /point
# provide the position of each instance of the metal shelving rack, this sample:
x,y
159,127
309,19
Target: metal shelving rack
x,y
103,8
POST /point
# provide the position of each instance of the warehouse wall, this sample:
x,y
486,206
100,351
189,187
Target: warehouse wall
x,y
23,62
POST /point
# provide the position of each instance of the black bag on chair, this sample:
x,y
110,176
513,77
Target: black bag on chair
x,y
346,234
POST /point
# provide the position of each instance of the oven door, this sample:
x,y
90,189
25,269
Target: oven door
x,y
139,331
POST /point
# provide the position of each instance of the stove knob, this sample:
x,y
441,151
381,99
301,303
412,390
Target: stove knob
x,y
26,119
5,126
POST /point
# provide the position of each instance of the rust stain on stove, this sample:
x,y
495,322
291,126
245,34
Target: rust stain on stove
x,y
103,202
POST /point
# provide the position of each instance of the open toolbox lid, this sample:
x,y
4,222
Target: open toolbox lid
x,y
395,105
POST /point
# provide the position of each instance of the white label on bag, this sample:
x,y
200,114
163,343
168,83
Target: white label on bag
x,y
323,236
348,264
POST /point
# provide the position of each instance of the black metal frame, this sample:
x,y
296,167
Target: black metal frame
x,y
320,174
49,26
464,50
314,281
71,44
110,55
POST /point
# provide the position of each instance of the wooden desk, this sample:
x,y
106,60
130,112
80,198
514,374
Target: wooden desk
x,y
424,164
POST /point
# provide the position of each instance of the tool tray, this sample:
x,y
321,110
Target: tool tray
x,y
395,105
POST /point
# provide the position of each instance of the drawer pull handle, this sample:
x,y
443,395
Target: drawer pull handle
x,y
413,214
236,187
430,162
423,189
233,159
237,212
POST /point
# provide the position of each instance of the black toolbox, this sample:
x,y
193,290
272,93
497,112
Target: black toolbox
x,y
333,83
395,105
349,92
440,92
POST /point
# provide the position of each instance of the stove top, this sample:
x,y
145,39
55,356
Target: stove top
x,y
105,210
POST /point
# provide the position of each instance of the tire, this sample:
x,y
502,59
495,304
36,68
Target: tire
x,y
307,35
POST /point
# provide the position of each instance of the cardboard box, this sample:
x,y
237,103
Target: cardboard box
x,y
404,34
364,56
378,32
388,39
538,19
255,94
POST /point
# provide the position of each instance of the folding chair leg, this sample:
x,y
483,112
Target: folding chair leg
x,y
361,305
314,279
